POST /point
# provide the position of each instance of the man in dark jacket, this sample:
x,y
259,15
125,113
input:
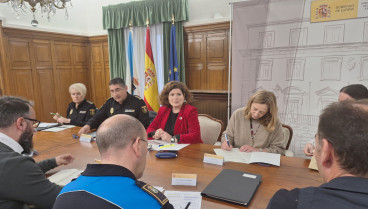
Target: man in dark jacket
x,y
22,180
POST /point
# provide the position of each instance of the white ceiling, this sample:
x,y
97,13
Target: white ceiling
x,y
85,16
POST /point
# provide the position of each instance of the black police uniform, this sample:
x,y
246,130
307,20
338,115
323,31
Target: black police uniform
x,y
133,106
80,116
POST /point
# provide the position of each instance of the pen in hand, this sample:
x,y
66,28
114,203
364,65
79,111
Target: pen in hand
x,y
227,140
55,114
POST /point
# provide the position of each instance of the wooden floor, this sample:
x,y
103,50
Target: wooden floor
x,y
292,173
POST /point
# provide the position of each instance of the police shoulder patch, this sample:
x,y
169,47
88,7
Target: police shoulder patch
x,y
152,191
92,111
138,97
144,109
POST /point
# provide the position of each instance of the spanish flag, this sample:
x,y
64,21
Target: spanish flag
x,y
150,88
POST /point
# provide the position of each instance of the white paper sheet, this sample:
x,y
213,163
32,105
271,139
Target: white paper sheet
x,y
163,145
181,199
65,176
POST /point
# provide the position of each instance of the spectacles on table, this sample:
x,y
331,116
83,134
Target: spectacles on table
x,y
36,123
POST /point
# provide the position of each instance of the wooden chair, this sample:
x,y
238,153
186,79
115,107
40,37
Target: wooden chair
x,y
211,129
288,135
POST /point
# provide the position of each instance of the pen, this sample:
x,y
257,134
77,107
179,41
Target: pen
x,y
55,114
186,207
227,140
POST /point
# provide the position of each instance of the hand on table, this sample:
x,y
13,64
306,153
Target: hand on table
x,y
85,129
247,148
64,159
309,149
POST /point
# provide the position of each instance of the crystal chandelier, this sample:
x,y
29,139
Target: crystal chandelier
x,y
48,7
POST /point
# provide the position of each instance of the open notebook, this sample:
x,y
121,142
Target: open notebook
x,y
65,176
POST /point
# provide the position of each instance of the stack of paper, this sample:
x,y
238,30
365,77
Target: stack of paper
x,y
163,145
190,200
249,157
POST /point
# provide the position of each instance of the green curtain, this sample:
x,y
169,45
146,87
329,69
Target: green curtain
x,y
117,17
179,48
117,56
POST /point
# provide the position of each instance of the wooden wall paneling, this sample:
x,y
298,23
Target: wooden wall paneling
x,y
45,99
217,61
62,83
3,66
105,49
62,53
80,55
19,53
99,80
214,104
195,61
24,83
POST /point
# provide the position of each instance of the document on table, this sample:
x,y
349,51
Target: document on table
x,y
59,128
249,157
65,176
181,199
163,145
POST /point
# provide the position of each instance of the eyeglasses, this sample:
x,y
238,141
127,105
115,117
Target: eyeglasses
x,y
36,123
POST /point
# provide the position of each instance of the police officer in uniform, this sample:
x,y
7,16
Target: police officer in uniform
x,y
121,102
79,110
122,143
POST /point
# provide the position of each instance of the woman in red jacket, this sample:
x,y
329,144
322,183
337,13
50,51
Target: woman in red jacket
x,y
176,121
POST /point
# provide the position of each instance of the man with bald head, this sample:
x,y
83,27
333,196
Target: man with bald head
x,y
122,143
341,155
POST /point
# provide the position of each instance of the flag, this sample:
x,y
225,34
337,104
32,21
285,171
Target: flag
x,y
150,88
173,65
132,74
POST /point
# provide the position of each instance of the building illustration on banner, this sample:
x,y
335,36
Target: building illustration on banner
x,y
304,64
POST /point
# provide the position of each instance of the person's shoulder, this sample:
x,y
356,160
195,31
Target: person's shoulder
x,y
285,199
89,102
154,193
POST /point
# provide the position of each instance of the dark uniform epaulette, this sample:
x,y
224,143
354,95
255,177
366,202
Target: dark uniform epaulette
x,y
138,97
89,102
152,191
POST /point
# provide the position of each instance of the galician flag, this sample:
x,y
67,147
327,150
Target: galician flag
x,y
132,74
173,65
150,88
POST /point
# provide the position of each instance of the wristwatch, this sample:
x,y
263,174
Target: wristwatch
x,y
173,139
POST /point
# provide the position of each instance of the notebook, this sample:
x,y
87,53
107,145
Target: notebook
x,y
233,186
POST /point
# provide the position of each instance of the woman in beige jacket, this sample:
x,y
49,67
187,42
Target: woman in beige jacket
x,y
256,127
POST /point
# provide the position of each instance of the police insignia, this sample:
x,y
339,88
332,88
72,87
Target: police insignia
x,y
92,111
71,112
161,198
144,109
111,110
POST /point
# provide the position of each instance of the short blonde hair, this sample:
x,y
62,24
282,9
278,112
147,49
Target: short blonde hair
x,y
270,119
80,87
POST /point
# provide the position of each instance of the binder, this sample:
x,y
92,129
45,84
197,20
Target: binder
x,y
233,186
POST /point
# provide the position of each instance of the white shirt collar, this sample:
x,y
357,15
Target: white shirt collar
x,y
11,143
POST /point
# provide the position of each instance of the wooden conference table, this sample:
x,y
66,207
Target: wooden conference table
x,y
292,173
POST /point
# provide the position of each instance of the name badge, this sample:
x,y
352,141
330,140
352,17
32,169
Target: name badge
x,y
129,110
213,159
82,112
184,179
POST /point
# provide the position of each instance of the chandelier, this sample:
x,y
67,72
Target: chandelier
x,y
48,7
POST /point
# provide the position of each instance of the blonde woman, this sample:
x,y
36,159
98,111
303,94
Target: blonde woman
x,y
79,110
256,127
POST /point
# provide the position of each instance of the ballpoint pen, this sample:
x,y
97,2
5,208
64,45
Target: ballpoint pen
x,y
55,114
227,140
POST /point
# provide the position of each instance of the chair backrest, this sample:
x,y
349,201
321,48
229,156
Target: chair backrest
x,y
211,128
152,115
288,134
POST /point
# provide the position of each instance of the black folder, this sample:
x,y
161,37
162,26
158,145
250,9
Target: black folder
x,y
233,186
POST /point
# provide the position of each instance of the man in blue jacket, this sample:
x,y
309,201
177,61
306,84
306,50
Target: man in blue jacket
x,y
122,143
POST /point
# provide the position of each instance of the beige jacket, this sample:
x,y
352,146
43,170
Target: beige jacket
x,y
238,131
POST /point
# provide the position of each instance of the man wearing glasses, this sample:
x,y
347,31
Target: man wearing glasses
x,y
23,181
122,143
342,160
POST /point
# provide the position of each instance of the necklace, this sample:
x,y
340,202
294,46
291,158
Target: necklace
x,y
252,132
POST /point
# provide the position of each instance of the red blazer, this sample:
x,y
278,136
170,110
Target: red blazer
x,y
187,124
